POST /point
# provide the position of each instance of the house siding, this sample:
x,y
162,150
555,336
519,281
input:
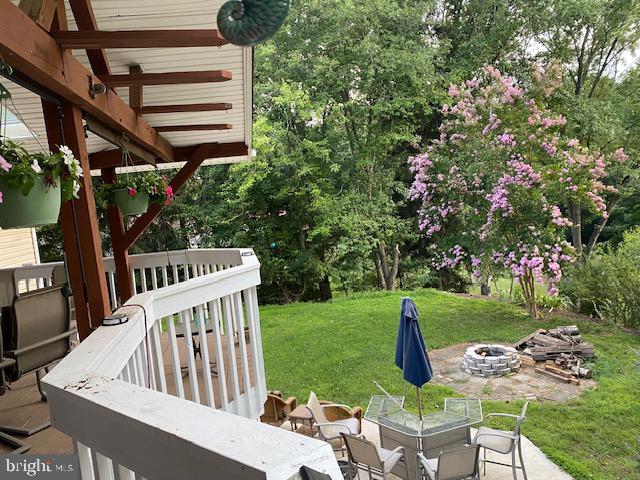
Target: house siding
x,y
17,248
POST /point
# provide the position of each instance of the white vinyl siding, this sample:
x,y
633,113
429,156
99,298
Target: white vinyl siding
x,y
17,248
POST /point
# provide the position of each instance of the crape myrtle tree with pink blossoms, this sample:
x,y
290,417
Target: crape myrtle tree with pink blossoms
x,y
494,187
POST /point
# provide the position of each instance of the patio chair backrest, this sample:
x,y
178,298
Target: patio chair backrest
x,y
38,331
313,404
521,418
458,463
362,451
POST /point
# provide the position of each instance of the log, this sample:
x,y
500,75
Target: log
x,y
568,330
549,341
559,371
581,372
523,341
552,375
584,350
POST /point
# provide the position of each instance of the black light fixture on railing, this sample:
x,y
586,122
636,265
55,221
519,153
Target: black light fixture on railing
x,y
250,22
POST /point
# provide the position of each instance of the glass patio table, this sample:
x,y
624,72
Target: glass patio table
x,y
437,431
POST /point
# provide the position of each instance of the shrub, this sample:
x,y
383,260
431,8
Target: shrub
x,y
607,284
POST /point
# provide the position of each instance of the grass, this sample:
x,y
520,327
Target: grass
x,y
338,349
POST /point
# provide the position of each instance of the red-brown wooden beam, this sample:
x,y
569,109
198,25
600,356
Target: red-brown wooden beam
x,y
86,21
199,155
73,254
140,39
169,78
113,158
120,252
43,11
192,128
35,54
194,107
79,222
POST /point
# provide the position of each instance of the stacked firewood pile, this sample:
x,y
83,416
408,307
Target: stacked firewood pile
x,y
558,353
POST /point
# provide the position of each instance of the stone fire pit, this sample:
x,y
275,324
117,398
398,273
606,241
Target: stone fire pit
x,y
491,360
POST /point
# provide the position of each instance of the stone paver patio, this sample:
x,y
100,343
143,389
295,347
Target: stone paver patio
x,y
447,364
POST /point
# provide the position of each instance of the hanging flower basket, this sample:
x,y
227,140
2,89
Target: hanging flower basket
x,y
41,206
133,193
32,187
131,202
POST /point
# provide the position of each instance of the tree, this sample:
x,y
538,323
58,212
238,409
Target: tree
x,y
593,41
493,186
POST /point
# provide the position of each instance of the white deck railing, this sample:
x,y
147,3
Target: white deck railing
x,y
150,399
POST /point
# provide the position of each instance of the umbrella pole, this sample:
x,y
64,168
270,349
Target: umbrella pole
x,y
419,403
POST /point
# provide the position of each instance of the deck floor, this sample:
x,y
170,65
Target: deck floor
x,y
21,406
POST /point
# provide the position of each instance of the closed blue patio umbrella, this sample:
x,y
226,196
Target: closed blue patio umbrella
x,y
411,352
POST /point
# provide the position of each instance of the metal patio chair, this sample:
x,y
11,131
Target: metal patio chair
x,y
330,431
36,333
366,455
505,442
455,464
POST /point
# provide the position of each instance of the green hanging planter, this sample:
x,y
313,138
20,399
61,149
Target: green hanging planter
x,y
128,205
250,22
41,206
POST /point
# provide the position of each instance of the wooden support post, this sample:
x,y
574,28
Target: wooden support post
x,y
120,251
73,255
79,222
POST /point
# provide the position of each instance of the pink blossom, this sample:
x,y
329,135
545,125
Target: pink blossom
x,y
4,165
132,192
620,156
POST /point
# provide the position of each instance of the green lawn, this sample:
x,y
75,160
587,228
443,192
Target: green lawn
x,y
338,349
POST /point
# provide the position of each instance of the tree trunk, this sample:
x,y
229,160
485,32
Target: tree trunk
x,y
485,289
379,273
527,282
389,274
575,212
325,289
599,226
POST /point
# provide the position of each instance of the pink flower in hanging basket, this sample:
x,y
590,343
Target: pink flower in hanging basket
x,y
4,165
0,197
132,192
169,193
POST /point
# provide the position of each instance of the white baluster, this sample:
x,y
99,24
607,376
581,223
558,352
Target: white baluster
x,y
204,355
175,356
216,322
246,375
228,316
158,360
186,317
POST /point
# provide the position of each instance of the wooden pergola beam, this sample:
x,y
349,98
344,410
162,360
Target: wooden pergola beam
x,y
86,21
34,53
113,158
43,11
139,39
194,107
199,155
169,78
192,128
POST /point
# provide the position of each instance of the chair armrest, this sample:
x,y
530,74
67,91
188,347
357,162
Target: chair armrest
x,y
357,413
398,450
510,436
332,424
422,462
501,415
291,402
325,405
